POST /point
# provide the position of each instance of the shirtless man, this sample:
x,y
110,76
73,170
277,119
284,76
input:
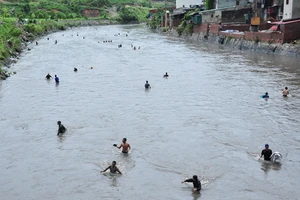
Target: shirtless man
x,y
125,146
113,168
285,92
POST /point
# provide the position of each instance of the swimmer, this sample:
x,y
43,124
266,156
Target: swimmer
x,y
134,48
48,76
56,79
196,182
147,85
285,92
266,95
266,153
61,128
75,69
113,168
166,75
125,146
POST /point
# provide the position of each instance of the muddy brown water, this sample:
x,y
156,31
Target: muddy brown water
x,y
206,119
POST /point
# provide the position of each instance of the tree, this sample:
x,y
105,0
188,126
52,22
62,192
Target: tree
x,y
209,4
26,8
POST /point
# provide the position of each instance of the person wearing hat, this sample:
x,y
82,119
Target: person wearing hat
x,y
266,153
196,182
61,128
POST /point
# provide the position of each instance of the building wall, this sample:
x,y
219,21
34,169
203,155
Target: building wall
x,y
225,16
211,16
296,9
291,9
230,3
187,3
287,9
291,30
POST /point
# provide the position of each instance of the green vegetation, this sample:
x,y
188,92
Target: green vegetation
x,y
23,20
186,26
132,14
14,31
155,20
209,4
74,9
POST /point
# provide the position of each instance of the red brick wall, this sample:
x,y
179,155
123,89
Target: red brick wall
x,y
232,35
273,37
291,31
196,28
239,27
265,26
264,37
204,28
176,22
214,28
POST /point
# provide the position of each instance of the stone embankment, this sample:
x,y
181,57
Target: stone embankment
x,y
229,41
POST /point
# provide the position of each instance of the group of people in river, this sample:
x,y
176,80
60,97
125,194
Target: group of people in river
x,y
48,77
147,84
125,150
267,152
285,93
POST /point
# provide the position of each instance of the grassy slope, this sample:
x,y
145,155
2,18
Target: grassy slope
x,y
11,32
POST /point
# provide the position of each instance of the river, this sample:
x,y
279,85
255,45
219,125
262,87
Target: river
x,y
205,119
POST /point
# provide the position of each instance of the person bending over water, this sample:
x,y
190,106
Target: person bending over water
x,y
196,182
266,95
48,76
124,145
285,92
113,168
147,85
266,153
61,128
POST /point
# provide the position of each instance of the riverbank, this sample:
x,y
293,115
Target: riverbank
x,y
15,36
229,41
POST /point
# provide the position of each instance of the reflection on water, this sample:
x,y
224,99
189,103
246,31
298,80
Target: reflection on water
x,y
266,166
202,120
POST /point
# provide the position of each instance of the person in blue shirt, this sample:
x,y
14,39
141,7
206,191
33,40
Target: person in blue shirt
x,y
56,79
266,95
